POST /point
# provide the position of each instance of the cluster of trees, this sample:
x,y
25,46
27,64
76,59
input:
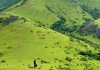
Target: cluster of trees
x,y
94,12
62,27
96,46
1,19
57,26
89,27
10,19
90,54
87,21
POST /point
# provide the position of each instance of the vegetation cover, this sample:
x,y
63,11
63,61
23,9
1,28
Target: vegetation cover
x,y
49,35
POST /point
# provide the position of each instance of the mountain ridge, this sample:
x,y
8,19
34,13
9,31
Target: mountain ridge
x,y
59,34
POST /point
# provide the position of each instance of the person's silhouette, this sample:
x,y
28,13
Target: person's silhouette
x,y
35,65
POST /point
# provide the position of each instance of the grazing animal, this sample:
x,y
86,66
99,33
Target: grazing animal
x,y
35,65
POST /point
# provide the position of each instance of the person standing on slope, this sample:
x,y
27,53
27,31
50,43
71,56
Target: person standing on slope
x,y
35,65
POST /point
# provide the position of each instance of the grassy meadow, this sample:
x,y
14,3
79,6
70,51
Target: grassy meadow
x,y
59,34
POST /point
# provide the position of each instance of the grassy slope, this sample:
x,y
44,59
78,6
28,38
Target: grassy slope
x,y
26,44
91,4
35,10
46,12
21,42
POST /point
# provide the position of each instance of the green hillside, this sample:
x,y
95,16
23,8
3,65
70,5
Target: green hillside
x,y
47,13
21,43
59,34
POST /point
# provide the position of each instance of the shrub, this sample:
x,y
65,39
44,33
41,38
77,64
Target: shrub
x,y
31,31
1,54
68,59
86,53
83,59
44,61
2,61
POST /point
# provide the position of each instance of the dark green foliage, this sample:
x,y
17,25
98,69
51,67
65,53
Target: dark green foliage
x,y
96,46
89,53
39,24
61,25
85,8
1,54
49,8
98,32
88,29
31,31
94,12
44,61
7,20
87,20
58,25
1,20
68,59
83,59
23,19
46,47
2,61
10,19
9,47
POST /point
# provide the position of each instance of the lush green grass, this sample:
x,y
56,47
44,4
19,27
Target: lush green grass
x,y
21,43
36,11
66,48
46,13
